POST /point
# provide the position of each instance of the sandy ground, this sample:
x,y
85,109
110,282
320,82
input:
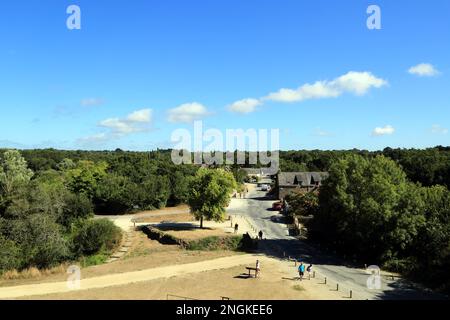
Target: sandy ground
x,y
277,281
176,217
143,254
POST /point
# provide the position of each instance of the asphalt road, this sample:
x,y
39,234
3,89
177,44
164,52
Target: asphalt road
x,y
278,242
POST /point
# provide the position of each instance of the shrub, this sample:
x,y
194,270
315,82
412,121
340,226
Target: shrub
x,y
77,206
216,243
45,245
94,236
9,255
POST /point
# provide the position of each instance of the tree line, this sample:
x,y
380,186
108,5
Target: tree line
x,y
426,166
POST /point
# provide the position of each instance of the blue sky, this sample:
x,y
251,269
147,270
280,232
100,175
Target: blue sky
x,y
138,70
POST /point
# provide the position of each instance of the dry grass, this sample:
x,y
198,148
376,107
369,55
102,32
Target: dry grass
x,y
193,233
33,272
179,217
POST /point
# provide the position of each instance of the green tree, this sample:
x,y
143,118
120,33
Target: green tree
x,y
303,204
10,255
369,208
85,177
14,172
210,194
115,195
66,164
94,236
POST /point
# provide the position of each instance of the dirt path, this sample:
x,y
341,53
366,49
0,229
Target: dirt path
x,y
131,277
277,281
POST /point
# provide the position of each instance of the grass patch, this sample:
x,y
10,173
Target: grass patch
x,y
95,259
138,253
216,243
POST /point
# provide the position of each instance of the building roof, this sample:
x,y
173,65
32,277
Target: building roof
x,y
303,179
257,171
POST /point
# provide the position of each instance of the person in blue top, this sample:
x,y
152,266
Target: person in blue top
x,y
301,270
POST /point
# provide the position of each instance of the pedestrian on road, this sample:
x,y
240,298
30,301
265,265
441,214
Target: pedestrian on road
x,y
258,268
301,271
260,235
236,227
309,270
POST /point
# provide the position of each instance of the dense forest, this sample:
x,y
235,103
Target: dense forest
x,y
118,182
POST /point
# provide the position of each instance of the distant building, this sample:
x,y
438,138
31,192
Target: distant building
x,y
257,172
298,182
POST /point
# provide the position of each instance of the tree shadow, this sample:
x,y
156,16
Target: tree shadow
x,y
176,226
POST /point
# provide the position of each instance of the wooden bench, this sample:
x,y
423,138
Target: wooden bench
x,y
250,269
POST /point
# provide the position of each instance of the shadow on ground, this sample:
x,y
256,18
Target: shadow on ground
x,y
175,226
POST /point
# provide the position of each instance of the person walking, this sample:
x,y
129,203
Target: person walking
x,y
309,270
236,227
260,235
301,271
258,269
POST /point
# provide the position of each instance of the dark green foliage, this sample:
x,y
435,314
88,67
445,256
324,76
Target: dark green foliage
x,y
94,236
115,195
77,207
216,243
303,204
38,238
368,208
10,255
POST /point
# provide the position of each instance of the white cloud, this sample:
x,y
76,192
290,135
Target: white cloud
x,y
424,70
358,83
137,121
438,129
245,106
187,113
134,122
144,116
382,131
91,102
118,126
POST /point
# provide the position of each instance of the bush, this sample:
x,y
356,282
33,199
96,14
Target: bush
x,y
9,255
216,243
77,206
115,195
45,244
94,236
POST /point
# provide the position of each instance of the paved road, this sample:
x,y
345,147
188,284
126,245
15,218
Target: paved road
x,y
279,243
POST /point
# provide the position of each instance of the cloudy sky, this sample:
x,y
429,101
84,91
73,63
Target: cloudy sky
x,y
138,70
